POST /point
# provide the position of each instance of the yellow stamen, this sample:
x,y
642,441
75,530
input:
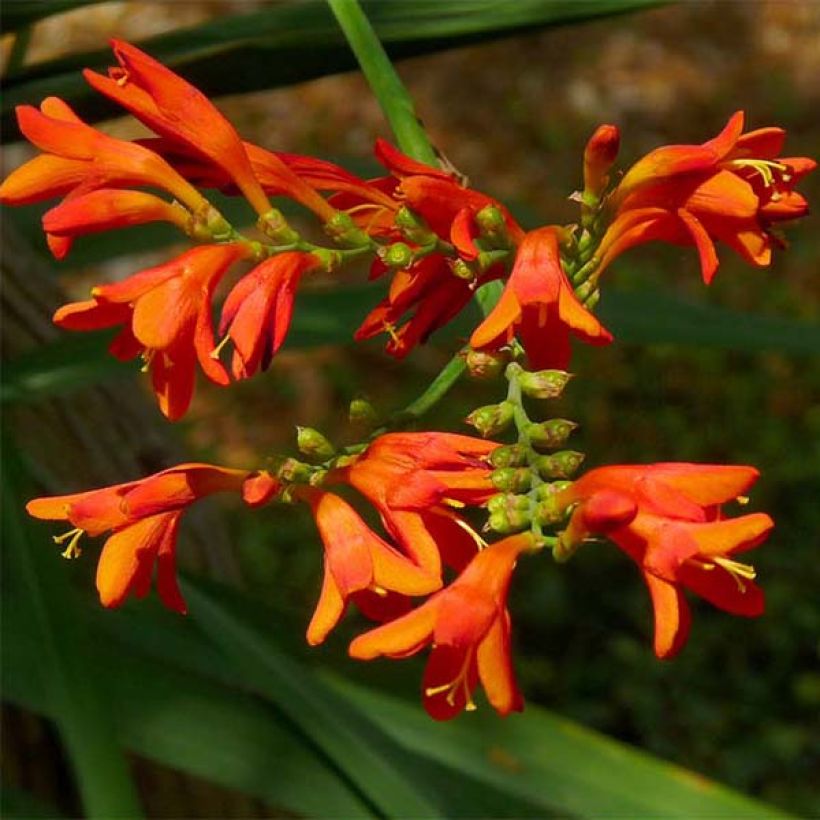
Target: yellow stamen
x,y
764,167
147,358
390,330
739,572
452,502
73,537
743,500
380,591
452,687
215,353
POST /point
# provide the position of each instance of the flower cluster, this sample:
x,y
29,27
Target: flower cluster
x,y
456,511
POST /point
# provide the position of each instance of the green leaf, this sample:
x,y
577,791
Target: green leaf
x,y
347,738
78,706
555,763
188,722
296,41
661,318
18,14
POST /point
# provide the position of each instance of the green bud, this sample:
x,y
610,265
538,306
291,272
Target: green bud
x,y
585,290
491,419
511,455
508,521
592,300
550,434
313,444
462,270
491,222
482,365
329,259
413,227
544,384
562,464
362,413
512,479
508,501
343,231
293,470
397,255
274,225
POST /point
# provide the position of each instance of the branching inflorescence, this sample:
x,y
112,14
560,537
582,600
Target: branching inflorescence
x,y
439,495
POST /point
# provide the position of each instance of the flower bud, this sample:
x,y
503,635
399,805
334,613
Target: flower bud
x,y
512,479
259,488
544,384
345,232
362,413
511,455
562,464
413,226
550,434
546,491
313,444
397,255
491,222
293,470
599,155
507,522
274,225
549,511
508,501
491,419
462,270
485,365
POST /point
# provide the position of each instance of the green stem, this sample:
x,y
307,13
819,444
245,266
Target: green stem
x,y
385,83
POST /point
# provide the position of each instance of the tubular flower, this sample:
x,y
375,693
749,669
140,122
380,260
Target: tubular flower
x,y
732,188
415,480
143,519
428,289
667,518
166,313
174,109
359,566
540,305
257,313
468,626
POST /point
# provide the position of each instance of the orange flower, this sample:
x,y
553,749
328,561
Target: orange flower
x,y
732,188
415,480
539,304
667,518
359,565
174,109
143,518
166,313
468,626
257,313
78,155
431,291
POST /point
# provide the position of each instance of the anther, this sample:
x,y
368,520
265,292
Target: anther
x,y
73,537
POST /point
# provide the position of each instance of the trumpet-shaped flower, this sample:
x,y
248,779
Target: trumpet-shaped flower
x,y
257,313
174,109
732,188
468,626
416,481
667,518
166,313
143,519
540,305
359,566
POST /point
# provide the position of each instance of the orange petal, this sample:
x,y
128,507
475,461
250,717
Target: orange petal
x,y
672,616
731,535
495,668
704,244
399,638
328,612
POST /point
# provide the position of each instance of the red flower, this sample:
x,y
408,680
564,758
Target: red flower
x,y
732,188
538,303
415,480
359,566
667,518
143,518
257,313
468,626
166,313
174,109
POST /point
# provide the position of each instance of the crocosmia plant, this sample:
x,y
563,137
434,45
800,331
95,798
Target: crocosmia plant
x,y
421,530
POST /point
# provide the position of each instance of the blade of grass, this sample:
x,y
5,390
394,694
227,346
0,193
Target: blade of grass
x,y
81,712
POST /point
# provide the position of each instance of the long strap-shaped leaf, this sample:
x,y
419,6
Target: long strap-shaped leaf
x,y
83,716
